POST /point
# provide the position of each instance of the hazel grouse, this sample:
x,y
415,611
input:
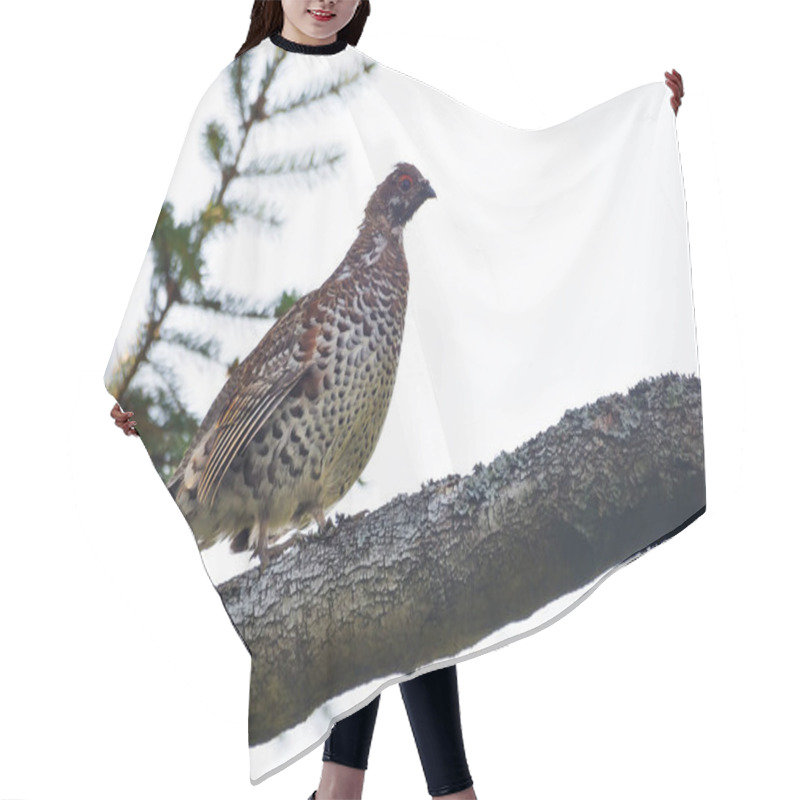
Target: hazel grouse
x,y
299,418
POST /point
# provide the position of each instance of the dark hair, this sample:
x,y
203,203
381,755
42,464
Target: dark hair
x,y
266,18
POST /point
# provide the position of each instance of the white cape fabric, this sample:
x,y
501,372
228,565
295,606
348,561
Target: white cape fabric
x,y
470,347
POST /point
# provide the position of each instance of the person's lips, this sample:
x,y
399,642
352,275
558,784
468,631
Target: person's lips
x,y
321,15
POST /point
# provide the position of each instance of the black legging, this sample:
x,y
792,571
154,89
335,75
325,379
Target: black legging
x,y
432,706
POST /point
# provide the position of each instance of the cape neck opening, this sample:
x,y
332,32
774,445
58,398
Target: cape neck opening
x,y
310,49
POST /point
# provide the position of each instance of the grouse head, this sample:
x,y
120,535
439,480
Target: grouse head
x,y
402,192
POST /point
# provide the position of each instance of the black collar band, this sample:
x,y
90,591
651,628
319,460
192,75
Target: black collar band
x,y
311,49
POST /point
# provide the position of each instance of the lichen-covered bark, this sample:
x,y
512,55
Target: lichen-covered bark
x,y
432,573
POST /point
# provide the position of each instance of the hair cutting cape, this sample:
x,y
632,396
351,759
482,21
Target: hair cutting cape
x,y
416,379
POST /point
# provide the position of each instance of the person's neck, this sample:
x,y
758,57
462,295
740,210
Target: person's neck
x,y
308,44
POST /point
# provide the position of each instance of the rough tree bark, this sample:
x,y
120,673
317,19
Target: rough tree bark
x,y
427,575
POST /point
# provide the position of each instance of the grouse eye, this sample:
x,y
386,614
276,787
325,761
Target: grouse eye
x,y
405,182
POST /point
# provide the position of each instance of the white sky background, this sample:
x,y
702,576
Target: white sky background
x,y
119,669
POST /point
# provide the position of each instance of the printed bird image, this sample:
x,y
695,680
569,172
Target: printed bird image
x,y
299,418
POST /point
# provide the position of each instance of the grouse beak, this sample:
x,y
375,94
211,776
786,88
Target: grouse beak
x,y
428,190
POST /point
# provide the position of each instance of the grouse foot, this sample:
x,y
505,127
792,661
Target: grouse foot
x,y
270,552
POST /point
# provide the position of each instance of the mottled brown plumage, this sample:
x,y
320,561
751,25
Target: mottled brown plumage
x,y
297,421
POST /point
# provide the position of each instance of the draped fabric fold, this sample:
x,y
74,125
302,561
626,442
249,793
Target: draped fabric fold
x,y
417,380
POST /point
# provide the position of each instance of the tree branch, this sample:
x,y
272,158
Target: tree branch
x,y
430,574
